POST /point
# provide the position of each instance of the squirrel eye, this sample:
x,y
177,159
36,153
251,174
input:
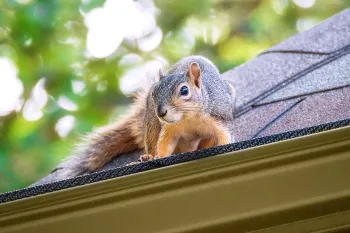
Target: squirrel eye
x,y
184,91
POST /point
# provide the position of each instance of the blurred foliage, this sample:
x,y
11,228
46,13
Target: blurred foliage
x,y
46,40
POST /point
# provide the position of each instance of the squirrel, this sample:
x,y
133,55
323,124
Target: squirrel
x,y
191,107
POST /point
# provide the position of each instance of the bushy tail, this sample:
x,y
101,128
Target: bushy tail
x,y
104,144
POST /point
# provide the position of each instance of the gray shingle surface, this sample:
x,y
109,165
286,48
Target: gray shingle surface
x,y
315,109
333,75
258,75
250,123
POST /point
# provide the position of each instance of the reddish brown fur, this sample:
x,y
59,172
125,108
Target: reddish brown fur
x,y
197,130
124,136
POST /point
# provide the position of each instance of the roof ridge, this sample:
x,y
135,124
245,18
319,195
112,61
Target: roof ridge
x,y
301,95
293,51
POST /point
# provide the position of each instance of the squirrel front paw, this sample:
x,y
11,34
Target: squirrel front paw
x,y
146,157
143,158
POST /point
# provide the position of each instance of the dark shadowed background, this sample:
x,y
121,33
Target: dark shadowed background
x,y
67,66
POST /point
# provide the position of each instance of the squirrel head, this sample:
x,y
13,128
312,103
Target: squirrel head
x,y
177,96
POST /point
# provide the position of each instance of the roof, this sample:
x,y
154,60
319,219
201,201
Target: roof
x,y
299,83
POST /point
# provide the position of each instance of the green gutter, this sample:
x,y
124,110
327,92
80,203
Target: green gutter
x,y
296,185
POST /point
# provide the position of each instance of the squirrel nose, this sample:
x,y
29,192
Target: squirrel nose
x,y
161,111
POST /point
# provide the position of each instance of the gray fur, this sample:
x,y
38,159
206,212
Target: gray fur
x,y
220,102
217,100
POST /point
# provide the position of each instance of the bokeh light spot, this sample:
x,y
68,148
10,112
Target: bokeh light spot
x,y
32,110
141,76
152,41
304,24
116,20
78,86
304,3
11,87
64,125
66,103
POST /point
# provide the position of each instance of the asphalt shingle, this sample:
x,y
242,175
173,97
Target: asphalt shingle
x,y
315,109
330,76
264,72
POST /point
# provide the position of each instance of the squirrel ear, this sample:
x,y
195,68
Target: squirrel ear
x,y
160,74
194,72
232,91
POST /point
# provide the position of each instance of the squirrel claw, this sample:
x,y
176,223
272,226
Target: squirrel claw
x,y
146,157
